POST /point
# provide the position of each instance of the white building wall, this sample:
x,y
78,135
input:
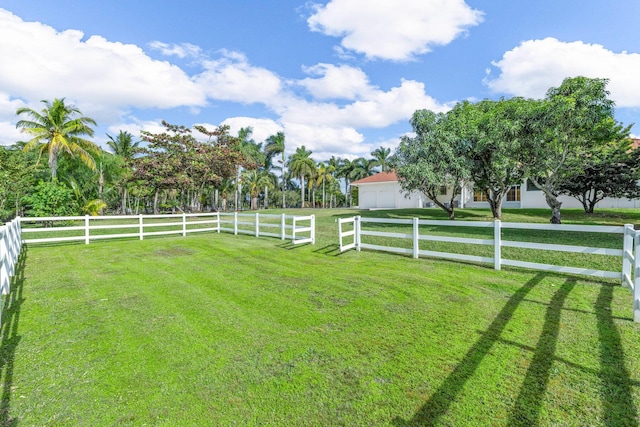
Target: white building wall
x,y
535,199
389,195
386,195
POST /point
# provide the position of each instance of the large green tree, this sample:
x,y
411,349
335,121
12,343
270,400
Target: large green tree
x,y
612,170
490,134
58,129
433,159
176,161
574,119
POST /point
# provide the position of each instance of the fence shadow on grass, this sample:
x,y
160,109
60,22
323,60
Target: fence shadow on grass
x,y
526,410
10,339
616,388
440,401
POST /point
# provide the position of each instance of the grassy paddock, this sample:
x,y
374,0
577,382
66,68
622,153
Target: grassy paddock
x,y
233,330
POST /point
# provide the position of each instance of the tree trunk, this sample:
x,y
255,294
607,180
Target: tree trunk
x,y
555,205
124,200
266,197
155,203
323,195
302,191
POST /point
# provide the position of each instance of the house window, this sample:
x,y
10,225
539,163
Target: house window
x,y
479,196
531,186
514,194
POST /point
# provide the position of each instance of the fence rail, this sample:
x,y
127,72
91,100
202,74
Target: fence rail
x,y
350,233
141,226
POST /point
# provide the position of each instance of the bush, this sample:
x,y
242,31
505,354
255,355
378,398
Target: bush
x,y
51,199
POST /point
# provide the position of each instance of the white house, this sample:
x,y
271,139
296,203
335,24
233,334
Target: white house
x,y
382,191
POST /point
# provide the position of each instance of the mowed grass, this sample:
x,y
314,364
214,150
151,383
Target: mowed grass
x,y
216,329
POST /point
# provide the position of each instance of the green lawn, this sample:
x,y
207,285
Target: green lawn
x,y
216,329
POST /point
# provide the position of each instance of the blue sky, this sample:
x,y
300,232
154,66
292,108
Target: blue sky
x,y
341,77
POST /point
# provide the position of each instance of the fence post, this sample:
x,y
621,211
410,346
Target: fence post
x,y
497,237
4,260
19,233
283,227
293,230
141,222
416,234
313,229
357,235
257,224
627,247
184,224
636,278
235,223
86,229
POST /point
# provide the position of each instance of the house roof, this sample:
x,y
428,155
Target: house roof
x,y
379,177
635,143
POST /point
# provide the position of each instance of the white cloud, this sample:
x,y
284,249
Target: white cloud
x,y
536,65
181,50
41,63
336,82
262,128
379,110
394,30
232,78
9,135
325,141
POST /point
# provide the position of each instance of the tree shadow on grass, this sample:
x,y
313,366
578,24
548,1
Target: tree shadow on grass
x,y
10,339
440,401
616,387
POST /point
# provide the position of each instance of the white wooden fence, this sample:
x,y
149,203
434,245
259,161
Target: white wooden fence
x,y
10,247
351,230
90,228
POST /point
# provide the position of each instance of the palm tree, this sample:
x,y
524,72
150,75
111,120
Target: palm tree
x,y
325,176
124,147
226,186
56,131
382,158
362,168
251,152
344,171
254,181
275,145
302,165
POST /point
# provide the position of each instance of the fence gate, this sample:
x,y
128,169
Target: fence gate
x,y
351,232
311,229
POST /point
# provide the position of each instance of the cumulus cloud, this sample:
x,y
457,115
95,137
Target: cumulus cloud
x,y
336,82
232,78
262,128
378,110
536,65
396,30
40,62
325,141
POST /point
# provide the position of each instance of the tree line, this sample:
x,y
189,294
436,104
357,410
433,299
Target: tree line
x,y
566,143
61,171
